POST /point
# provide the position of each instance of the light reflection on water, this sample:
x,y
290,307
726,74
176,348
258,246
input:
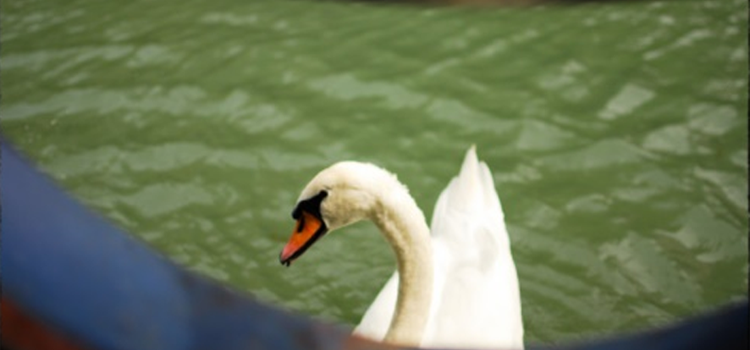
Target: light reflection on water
x,y
615,132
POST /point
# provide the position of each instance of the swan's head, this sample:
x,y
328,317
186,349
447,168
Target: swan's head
x,y
340,195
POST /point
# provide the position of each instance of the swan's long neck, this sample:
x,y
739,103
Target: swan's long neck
x,y
404,227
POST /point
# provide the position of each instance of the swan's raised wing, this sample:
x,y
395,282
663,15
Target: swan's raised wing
x,y
468,215
477,300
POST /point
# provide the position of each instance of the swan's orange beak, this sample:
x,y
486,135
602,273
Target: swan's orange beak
x,y
309,229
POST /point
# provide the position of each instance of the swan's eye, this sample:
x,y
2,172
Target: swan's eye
x,y
310,205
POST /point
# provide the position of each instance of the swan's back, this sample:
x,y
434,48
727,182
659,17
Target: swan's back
x,y
476,299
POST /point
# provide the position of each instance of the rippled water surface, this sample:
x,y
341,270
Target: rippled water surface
x,y
616,132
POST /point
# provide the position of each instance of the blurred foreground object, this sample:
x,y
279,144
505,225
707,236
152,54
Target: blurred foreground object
x,y
70,280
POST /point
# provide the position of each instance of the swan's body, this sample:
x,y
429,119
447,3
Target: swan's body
x,y
460,287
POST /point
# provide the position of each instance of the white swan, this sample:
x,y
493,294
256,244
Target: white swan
x,y
459,286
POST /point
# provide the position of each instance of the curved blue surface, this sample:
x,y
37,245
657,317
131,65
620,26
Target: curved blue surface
x,y
71,269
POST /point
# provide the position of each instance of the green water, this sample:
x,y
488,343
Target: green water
x,y
616,133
